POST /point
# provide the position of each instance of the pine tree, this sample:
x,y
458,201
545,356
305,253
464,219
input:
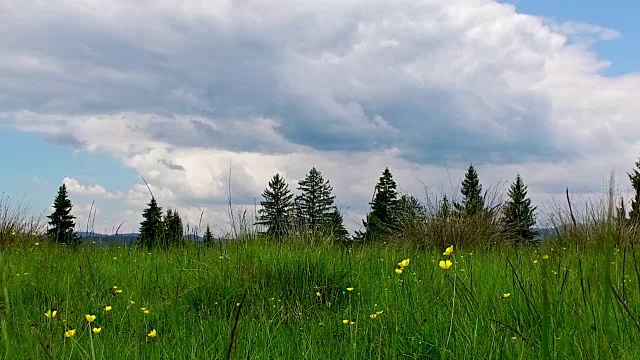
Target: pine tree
x,y
382,219
332,224
61,222
207,239
519,215
315,200
173,229
634,213
276,207
151,228
472,201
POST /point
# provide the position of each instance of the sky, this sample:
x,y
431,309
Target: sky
x,y
208,100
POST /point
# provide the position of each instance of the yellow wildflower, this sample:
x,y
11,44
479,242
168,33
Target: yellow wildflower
x,y
506,295
132,302
404,263
448,251
318,293
36,243
545,256
398,271
96,330
51,314
70,333
535,261
153,334
345,321
349,289
90,318
118,291
445,265
107,308
373,316
144,310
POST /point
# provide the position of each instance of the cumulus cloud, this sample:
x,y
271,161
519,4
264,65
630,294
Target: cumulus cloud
x,y
182,91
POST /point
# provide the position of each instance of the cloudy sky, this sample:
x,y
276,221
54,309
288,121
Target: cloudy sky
x,y
96,93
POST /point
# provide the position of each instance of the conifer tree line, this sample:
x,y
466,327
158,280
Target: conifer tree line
x,y
312,212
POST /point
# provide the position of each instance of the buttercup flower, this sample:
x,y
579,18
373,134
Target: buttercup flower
x,y
506,295
153,334
349,289
107,308
398,271
51,314
345,321
404,263
545,256
448,251
96,330
445,265
90,318
70,333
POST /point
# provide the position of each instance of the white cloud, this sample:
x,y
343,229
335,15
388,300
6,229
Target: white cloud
x,y
180,91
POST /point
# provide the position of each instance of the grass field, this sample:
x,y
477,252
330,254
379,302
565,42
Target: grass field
x,y
573,304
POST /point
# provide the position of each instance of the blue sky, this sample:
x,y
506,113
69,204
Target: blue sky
x,y
178,93
619,15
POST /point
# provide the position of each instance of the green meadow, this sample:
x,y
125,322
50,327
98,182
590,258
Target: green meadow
x,y
254,299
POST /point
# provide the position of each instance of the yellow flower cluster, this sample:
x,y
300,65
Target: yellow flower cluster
x,y
402,265
446,264
91,318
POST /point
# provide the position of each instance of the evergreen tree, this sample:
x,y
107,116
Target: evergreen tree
x,y
173,229
61,222
410,210
519,215
472,201
332,224
276,207
382,219
207,239
151,228
446,209
315,199
634,213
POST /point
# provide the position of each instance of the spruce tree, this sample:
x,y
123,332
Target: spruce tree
x,y
382,219
173,229
151,228
315,199
519,215
332,224
276,207
61,222
634,213
445,209
207,239
472,201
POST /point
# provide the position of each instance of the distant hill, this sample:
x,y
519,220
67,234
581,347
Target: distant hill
x,y
121,239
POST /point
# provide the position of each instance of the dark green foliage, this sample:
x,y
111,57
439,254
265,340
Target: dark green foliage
x,y
472,201
634,213
151,228
207,239
61,222
332,224
410,212
276,208
314,201
173,229
446,209
382,220
519,215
